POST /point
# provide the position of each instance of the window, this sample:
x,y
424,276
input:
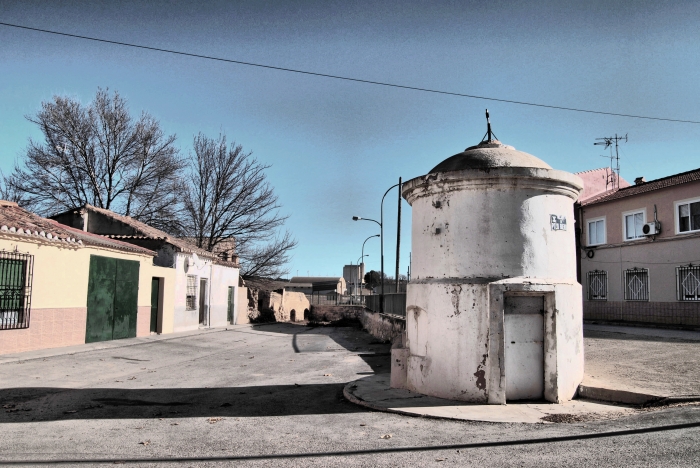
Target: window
x,y
636,284
597,285
688,213
633,224
191,298
15,289
688,283
596,231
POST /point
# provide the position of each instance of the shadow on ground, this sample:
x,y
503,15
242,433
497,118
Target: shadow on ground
x,y
57,404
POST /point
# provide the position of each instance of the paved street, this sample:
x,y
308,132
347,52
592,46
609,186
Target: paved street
x,y
272,395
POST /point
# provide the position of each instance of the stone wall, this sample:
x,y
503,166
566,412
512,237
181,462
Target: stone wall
x,y
381,326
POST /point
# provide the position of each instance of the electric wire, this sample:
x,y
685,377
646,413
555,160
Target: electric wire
x,y
347,78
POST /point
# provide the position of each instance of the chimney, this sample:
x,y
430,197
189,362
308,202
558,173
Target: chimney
x,y
639,180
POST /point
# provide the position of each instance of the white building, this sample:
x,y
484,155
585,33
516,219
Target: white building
x,y
493,310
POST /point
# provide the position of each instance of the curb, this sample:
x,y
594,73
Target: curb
x,y
617,396
632,398
357,401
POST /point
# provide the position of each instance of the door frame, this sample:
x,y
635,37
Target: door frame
x,y
497,376
203,302
161,293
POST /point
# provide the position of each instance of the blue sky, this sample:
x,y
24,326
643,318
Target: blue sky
x,y
336,146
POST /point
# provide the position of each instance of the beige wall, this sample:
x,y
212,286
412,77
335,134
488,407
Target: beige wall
x,y
660,255
663,199
167,276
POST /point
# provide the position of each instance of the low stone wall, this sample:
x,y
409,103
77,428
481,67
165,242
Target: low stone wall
x,y
384,327
330,313
679,314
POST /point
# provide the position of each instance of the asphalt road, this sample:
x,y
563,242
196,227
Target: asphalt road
x,y
272,396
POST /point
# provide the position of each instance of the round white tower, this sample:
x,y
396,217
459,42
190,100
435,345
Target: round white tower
x,y
494,310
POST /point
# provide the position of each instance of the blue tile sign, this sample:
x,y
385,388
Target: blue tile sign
x,y
558,222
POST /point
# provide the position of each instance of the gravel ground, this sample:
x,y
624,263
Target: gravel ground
x,y
271,395
660,365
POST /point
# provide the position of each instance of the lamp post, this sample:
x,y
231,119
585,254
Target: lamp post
x,y
381,239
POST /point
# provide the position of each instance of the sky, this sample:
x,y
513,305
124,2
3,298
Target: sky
x,y
335,146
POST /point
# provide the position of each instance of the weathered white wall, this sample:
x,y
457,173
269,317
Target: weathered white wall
x,y
447,331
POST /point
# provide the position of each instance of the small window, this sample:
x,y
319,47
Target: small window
x,y
688,216
688,283
597,285
636,284
634,223
596,231
191,299
15,289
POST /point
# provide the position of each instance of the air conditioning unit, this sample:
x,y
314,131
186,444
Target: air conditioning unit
x,y
652,229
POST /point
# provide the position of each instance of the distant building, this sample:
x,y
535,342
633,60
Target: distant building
x,y
354,275
317,284
640,252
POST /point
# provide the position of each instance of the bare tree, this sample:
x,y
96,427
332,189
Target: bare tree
x,y
228,200
99,154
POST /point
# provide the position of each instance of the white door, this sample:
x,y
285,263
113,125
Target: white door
x,y
524,351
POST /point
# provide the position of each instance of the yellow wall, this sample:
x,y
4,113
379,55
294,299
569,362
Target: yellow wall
x,y
168,274
61,275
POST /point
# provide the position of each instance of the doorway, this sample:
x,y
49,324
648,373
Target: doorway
x,y
523,321
231,310
113,289
203,312
156,305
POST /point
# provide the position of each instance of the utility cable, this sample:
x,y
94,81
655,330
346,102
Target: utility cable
x,y
347,78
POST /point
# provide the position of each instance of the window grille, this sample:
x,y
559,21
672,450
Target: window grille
x,y
636,284
688,283
16,271
191,299
597,285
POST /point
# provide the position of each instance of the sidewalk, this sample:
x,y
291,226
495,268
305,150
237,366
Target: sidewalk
x,y
374,392
624,366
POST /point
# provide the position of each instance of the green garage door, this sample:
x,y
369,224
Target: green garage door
x,y
113,288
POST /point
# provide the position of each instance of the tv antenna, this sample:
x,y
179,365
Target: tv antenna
x,y
608,142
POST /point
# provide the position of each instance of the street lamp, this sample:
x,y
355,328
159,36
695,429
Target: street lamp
x,y
381,237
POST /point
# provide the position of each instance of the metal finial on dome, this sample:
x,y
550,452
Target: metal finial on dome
x,y
490,136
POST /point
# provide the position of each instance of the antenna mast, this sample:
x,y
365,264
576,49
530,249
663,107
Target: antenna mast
x,y
614,169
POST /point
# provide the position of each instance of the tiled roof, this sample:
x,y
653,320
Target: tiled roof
x,y
20,222
89,238
149,232
664,182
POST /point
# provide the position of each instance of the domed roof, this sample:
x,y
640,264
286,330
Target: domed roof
x,y
489,154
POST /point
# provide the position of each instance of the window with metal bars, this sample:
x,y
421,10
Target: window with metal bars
x,y
597,285
16,271
191,298
688,283
636,284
